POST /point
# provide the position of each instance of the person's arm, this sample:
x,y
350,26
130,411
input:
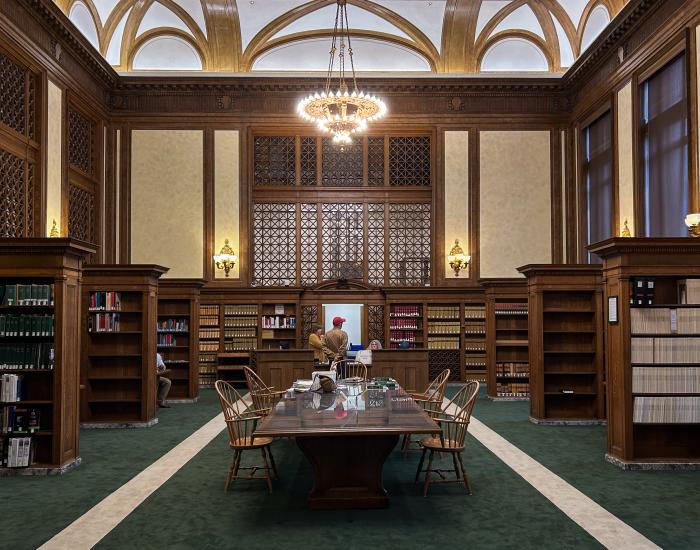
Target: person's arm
x,y
315,341
329,353
160,365
343,346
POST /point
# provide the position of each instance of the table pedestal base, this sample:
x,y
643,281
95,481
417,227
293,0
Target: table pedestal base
x,y
347,470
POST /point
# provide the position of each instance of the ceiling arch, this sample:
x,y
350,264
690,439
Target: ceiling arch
x,y
450,36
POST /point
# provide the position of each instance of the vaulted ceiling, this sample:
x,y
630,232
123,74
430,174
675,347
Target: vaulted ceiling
x,y
273,36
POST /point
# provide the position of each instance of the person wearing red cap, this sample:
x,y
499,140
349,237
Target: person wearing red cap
x,y
336,341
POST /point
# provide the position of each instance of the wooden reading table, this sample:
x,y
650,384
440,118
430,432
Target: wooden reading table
x,y
347,436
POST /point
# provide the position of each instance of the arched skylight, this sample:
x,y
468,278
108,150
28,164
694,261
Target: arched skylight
x,y
82,19
597,21
514,55
167,52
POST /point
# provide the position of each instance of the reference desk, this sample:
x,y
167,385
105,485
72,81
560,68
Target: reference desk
x,y
347,436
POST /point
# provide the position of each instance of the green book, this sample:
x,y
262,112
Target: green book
x,y
24,295
10,298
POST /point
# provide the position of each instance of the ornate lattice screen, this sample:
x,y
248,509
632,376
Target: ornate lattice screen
x,y
81,213
409,160
342,167
342,239
409,244
81,143
375,323
274,245
274,160
375,244
309,244
309,318
18,146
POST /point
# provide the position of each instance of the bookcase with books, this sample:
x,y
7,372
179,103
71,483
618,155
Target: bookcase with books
x,y
178,329
566,344
278,326
39,340
240,340
406,326
507,358
209,337
118,359
475,341
652,351
444,327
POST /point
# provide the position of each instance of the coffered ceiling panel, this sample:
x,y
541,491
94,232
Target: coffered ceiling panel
x,y
444,36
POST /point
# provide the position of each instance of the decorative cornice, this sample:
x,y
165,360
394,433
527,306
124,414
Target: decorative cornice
x,y
658,246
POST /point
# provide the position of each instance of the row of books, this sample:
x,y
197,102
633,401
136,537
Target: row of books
x,y
666,410
24,355
665,350
241,333
26,295
404,311
207,357
642,291
443,342
247,309
405,324
208,321
240,322
209,310
474,328
209,346
173,325
278,321
11,388
474,312
666,379
512,369
474,345
167,340
209,333
512,389
16,452
451,327
103,322
105,301
665,320
514,308
689,291
474,360
443,312
242,344
26,325
19,420
402,336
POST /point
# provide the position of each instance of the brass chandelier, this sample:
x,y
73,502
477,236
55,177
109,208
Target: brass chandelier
x,y
343,112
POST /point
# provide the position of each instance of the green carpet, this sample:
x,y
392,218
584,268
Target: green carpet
x,y
662,505
43,506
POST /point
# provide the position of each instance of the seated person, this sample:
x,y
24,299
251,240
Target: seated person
x,y
365,355
163,382
316,343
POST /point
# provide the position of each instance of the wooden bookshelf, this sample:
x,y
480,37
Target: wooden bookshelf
x,y
507,356
52,393
566,344
406,325
645,427
278,326
209,336
474,341
118,364
178,335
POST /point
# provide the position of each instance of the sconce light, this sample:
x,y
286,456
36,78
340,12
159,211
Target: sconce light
x,y
54,231
225,259
693,223
458,260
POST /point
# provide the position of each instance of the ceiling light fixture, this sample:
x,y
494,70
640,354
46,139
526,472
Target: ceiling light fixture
x,y
342,112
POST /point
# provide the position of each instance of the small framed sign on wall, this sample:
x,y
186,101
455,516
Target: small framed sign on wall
x,y
612,309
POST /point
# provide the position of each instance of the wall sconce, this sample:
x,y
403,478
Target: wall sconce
x,y
458,260
54,231
225,259
693,223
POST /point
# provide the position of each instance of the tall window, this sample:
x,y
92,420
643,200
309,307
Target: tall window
x,y
664,132
598,181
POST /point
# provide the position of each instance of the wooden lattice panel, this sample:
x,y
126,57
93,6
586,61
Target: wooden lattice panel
x,y
342,166
342,241
375,323
441,359
375,161
12,195
409,244
309,318
81,213
13,94
309,244
274,244
274,160
81,142
375,244
31,189
409,160
308,161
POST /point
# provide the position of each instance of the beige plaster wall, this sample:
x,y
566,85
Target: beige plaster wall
x,y
167,200
227,195
515,201
54,148
625,157
456,195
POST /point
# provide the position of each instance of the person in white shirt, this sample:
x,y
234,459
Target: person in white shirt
x,y
163,382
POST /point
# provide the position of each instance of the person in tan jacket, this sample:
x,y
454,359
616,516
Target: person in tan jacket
x,y
336,341
316,343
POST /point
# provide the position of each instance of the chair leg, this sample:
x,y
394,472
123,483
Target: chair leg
x,y
272,462
464,474
267,469
454,463
427,473
229,475
420,464
404,443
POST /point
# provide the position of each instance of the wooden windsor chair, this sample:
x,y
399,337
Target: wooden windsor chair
x,y
241,422
350,369
454,423
429,400
264,396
